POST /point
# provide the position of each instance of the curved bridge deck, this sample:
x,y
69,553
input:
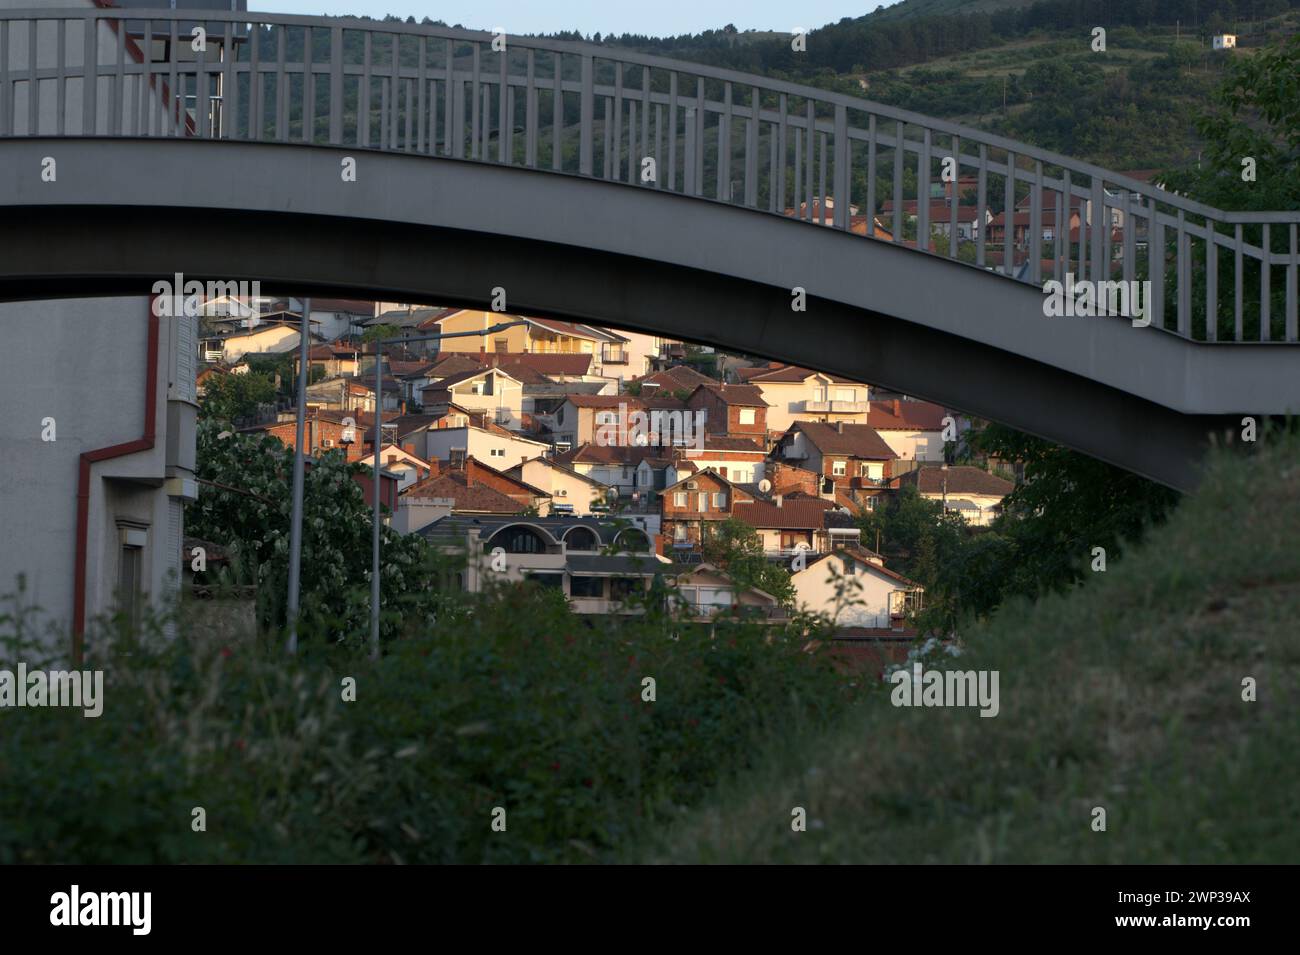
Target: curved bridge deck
x,y
602,184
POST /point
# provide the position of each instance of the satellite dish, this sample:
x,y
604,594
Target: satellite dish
x,y
764,486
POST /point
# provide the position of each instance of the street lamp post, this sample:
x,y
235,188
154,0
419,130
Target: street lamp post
x,y
299,466
379,442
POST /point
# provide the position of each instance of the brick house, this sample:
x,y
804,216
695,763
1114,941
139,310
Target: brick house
x,y
737,411
854,457
691,503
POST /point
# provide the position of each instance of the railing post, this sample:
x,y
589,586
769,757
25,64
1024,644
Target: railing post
x,y
842,153
336,86
1100,233
587,118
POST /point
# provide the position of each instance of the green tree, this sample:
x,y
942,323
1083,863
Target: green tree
x,y
736,547
246,506
231,397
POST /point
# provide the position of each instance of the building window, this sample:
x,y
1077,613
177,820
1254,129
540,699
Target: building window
x,y
586,586
497,452
837,468
844,394
582,539
720,501
632,541
746,415
606,417
130,573
519,540
704,502
679,499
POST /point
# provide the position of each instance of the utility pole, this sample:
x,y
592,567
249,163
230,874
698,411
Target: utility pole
x,y
299,466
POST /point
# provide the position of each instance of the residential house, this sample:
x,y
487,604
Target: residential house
x,y
969,491
609,419
324,430
571,492
799,394
739,460
852,588
494,445
268,339
336,318
679,381
736,411
446,493
689,505
603,567
613,465
940,217
354,394
707,593
853,456
487,389
912,429
332,359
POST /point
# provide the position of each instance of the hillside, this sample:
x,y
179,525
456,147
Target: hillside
x,y
1125,694
912,9
1021,69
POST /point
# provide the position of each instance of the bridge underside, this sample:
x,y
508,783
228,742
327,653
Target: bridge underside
x,y
414,229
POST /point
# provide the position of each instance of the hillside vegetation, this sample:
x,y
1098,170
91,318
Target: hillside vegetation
x,y
1125,694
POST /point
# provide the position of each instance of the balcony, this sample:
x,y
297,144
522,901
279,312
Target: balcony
x,y
836,407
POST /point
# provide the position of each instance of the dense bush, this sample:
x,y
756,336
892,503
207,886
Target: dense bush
x,y
513,702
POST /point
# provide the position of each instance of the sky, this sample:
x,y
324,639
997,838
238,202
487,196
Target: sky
x,y
652,18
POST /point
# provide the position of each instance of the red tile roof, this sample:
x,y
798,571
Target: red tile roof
x,y
852,440
745,396
786,373
479,498
906,416
961,479
546,363
803,513
678,377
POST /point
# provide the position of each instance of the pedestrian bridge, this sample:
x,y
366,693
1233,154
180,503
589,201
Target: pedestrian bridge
x,y
411,163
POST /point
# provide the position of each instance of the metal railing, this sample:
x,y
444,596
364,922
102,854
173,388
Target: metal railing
x,y
652,123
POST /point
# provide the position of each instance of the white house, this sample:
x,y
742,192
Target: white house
x,y
797,394
489,390
912,429
853,588
571,492
972,492
493,446
1225,41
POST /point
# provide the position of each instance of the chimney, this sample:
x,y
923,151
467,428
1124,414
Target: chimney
x,y
898,408
777,499
839,426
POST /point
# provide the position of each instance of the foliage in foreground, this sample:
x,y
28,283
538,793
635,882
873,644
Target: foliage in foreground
x,y
511,702
1125,694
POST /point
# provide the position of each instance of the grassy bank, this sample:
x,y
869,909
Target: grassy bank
x,y
511,701
1125,694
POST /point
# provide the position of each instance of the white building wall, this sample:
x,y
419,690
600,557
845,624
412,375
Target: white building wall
x,y
80,363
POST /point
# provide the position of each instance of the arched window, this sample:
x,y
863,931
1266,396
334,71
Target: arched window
x,y
582,539
632,540
518,539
